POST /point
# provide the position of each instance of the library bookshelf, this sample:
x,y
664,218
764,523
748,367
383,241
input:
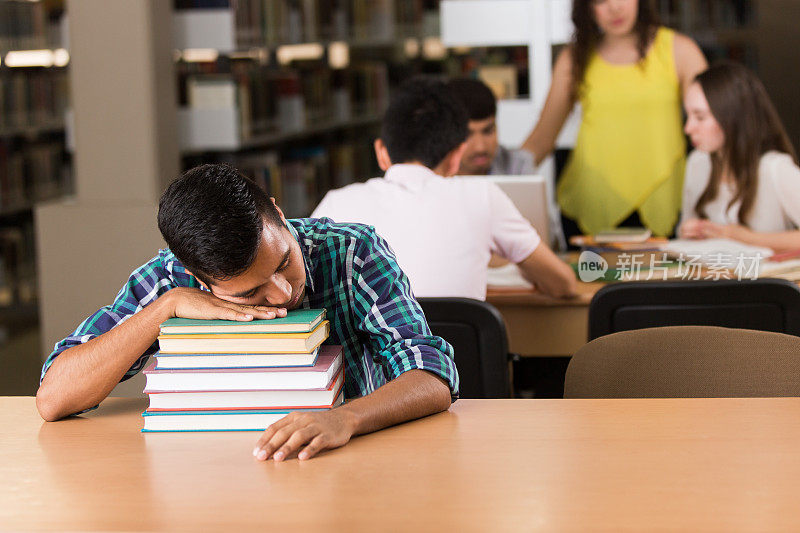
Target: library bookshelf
x,y
34,165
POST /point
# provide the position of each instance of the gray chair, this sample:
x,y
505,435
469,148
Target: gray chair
x,y
686,362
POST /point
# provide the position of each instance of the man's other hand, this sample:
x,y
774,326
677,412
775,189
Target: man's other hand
x,y
316,431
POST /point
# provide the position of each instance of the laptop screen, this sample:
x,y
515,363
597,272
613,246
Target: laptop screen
x,y
529,195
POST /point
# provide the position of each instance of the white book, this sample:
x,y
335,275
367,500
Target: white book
x,y
725,253
239,420
625,235
249,399
211,93
507,276
173,361
318,376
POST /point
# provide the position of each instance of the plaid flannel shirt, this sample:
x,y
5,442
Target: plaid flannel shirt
x,y
350,271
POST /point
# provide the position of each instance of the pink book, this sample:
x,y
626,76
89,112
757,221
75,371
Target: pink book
x,y
317,377
248,399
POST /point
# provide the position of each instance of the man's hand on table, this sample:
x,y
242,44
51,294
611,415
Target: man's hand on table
x,y
306,433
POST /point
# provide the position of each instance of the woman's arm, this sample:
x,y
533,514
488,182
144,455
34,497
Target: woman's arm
x,y
781,183
557,108
689,60
779,242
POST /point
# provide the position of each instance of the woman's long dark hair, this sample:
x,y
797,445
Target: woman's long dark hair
x,y
588,35
752,127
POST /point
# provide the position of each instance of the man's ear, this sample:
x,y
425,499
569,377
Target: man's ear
x,y
452,161
382,154
198,280
280,211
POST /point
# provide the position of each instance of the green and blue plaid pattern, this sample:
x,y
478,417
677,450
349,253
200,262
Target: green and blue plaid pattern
x,y
350,271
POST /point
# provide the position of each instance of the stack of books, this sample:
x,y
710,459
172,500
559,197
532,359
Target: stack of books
x,y
220,375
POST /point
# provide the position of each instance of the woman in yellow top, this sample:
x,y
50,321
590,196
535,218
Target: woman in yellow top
x,y
628,74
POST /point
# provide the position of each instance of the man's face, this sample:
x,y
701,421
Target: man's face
x,y
276,278
481,147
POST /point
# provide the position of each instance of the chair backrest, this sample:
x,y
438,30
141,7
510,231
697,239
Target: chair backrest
x,y
478,335
763,304
686,362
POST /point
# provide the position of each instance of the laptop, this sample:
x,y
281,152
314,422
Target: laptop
x,y
529,195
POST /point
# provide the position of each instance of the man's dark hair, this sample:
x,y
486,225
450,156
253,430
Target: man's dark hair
x,y
424,123
212,218
476,96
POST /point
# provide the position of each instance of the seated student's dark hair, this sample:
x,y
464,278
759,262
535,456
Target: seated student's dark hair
x,y
424,123
212,219
476,96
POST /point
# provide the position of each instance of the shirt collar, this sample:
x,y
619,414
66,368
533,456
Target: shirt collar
x,y
305,250
411,175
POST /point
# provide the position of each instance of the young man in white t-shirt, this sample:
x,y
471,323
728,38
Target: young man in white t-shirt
x,y
443,231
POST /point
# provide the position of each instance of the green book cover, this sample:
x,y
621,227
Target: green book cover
x,y
297,321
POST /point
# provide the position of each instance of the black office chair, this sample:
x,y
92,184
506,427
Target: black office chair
x,y
763,304
478,335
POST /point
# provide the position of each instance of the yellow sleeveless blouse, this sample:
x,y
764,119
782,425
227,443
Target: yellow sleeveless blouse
x,y
630,152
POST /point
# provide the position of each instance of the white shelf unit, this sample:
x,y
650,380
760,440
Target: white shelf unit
x,y
537,24
204,28
206,129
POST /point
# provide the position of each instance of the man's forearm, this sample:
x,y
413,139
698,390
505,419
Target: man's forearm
x,y
551,275
82,376
412,395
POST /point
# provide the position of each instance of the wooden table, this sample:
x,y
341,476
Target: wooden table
x,y
486,465
538,325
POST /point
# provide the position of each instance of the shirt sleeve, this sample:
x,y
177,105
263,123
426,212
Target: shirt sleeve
x,y
144,285
698,172
512,235
522,163
786,177
512,162
387,313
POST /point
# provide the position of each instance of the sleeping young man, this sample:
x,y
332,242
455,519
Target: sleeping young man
x,y
232,255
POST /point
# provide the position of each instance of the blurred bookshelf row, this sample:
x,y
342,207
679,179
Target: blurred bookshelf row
x,y
303,84
299,177
724,29
31,25
34,164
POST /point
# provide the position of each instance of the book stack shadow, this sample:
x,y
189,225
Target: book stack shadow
x,y
220,375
